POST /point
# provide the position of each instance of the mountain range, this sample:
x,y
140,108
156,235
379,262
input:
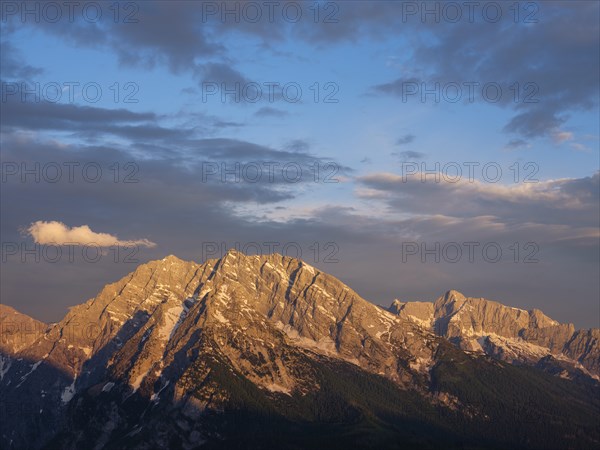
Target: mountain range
x,y
270,352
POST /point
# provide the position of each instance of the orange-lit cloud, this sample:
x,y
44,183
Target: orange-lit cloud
x,y
58,233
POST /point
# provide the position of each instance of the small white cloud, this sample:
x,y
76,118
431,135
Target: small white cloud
x,y
60,234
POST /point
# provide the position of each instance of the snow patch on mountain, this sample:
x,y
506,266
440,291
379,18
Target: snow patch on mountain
x,y
274,387
68,393
172,319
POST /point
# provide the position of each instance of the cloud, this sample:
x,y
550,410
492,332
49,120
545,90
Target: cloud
x,y
224,74
556,74
397,87
535,122
514,144
58,233
92,122
85,120
569,202
558,68
561,136
298,145
406,139
579,147
227,124
409,155
267,111
169,34
168,174
12,63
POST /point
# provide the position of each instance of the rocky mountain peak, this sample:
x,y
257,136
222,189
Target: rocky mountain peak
x,y
539,320
451,298
187,333
513,334
418,312
454,296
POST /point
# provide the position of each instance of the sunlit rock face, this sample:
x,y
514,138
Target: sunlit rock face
x,y
511,334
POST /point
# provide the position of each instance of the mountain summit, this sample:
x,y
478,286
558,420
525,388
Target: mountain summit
x,y
511,334
269,352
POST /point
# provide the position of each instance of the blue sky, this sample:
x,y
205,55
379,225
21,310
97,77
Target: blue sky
x,y
369,56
